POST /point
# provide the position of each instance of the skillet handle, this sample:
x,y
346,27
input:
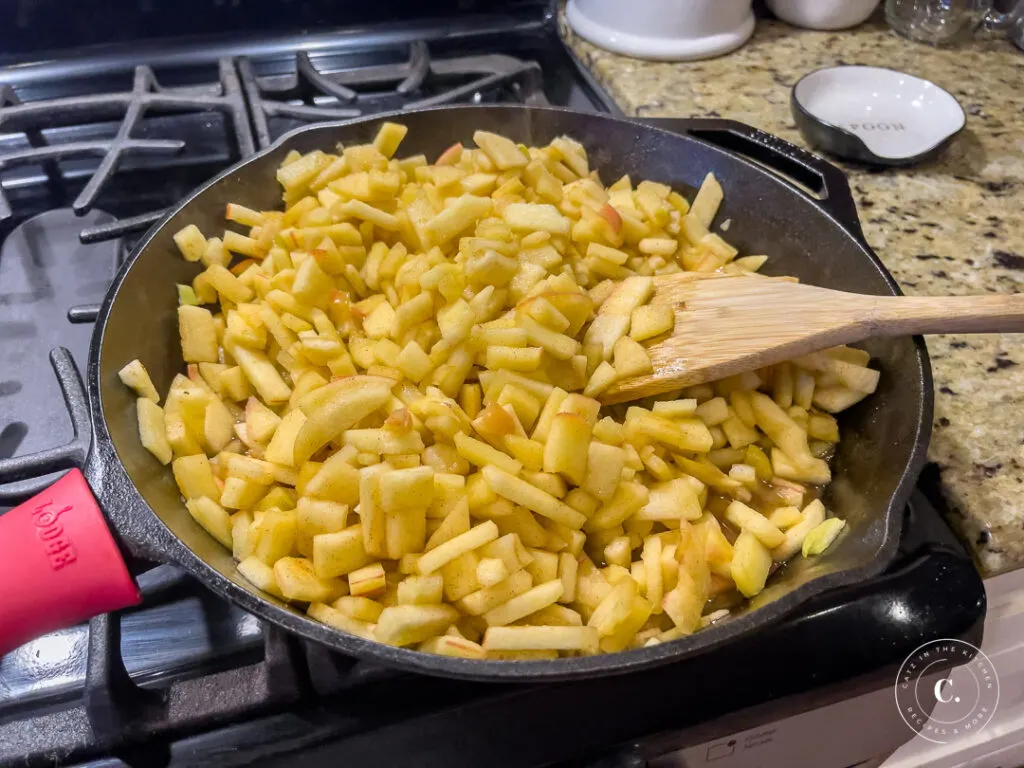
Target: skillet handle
x,y
827,183
59,564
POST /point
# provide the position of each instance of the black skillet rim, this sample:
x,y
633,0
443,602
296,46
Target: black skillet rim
x,y
144,531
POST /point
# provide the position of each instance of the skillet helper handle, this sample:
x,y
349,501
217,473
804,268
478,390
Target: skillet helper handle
x,y
826,181
59,564
794,164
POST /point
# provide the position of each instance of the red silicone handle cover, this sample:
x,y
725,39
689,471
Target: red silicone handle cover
x,y
59,564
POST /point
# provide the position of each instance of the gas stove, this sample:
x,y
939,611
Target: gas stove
x,y
95,143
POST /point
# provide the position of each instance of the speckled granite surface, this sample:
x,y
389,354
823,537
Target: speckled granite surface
x,y
952,226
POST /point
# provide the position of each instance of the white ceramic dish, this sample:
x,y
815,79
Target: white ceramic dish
x,y
822,14
673,30
875,115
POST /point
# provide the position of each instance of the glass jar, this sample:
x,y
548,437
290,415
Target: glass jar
x,y
940,22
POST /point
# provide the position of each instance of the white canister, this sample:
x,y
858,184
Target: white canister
x,y
674,30
823,14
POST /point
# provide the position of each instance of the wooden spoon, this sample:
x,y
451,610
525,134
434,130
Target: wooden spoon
x,y
727,324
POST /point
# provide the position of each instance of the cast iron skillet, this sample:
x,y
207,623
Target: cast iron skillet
x,y
779,200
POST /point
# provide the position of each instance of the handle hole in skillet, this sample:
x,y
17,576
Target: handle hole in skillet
x,y
797,173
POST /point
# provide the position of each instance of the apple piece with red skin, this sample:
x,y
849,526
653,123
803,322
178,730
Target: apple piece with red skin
x,y
450,156
609,214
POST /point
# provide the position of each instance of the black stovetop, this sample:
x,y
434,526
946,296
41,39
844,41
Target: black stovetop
x,y
199,682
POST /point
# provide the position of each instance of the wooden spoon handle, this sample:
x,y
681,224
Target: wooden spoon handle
x,y
908,315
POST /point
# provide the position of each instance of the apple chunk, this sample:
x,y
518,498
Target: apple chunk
x,y
336,407
567,447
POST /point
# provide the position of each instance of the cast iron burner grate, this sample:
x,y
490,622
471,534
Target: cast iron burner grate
x,y
283,94
325,88
38,123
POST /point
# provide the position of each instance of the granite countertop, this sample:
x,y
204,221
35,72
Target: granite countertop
x,y
951,226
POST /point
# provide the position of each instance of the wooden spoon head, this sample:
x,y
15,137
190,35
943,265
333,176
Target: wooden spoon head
x,y
730,324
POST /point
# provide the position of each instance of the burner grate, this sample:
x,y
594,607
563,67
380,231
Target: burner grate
x,y
147,97
315,89
486,75
327,89
24,476
291,98
117,716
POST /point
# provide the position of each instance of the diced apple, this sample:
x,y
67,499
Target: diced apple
x,y
135,375
153,429
407,624
407,489
260,575
275,535
649,321
450,156
523,493
224,282
672,500
388,137
708,198
335,408
260,421
241,494
315,517
614,609
336,480
340,552
212,517
747,519
567,447
558,345
534,217
482,455
297,581
502,151
249,469
421,590
629,497
367,581
281,449
751,562
464,212
604,467
630,358
784,432
682,434
609,214
524,359
195,477
198,335
339,620
684,603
